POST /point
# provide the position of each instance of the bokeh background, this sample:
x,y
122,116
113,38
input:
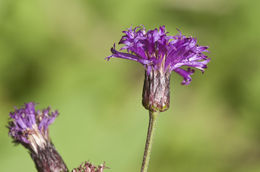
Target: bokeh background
x,y
52,52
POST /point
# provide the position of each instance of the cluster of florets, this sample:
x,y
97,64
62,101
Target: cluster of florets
x,y
30,127
88,167
157,51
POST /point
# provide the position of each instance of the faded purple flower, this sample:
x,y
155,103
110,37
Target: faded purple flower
x,y
30,127
161,54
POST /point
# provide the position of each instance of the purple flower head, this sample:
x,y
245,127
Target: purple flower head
x,y
30,127
157,51
161,54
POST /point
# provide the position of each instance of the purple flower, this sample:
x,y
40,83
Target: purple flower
x,y
161,54
157,51
30,127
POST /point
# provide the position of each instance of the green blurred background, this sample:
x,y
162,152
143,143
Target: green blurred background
x,y
52,52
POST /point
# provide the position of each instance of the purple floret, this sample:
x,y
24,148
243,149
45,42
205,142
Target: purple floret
x,y
26,121
157,51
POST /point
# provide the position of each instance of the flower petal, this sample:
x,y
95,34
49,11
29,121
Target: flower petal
x,y
185,74
128,56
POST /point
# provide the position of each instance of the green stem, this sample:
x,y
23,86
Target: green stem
x,y
149,139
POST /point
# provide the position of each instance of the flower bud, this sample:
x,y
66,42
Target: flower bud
x,y
88,167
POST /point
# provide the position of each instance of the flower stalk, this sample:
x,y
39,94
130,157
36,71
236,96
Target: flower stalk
x,y
149,140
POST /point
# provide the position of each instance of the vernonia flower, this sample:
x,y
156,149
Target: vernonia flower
x,y
30,128
161,54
